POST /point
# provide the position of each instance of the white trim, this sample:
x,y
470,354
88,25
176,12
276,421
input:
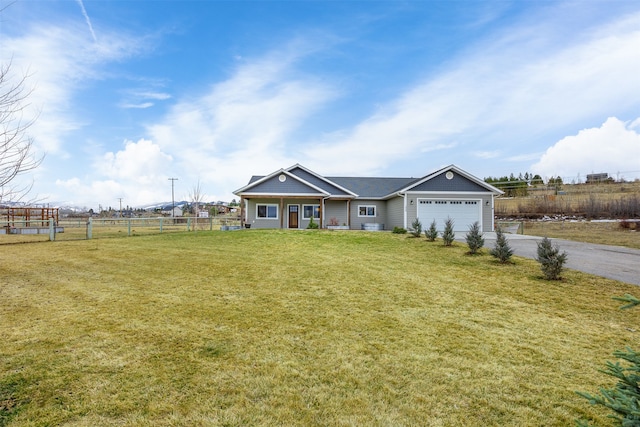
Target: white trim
x,y
445,194
460,172
375,211
279,195
277,205
289,213
243,190
327,180
311,204
405,210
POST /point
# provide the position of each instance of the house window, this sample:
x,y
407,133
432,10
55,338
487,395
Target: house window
x,y
311,211
267,211
364,210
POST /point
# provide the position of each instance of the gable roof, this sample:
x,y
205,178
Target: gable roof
x,y
440,176
306,182
289,184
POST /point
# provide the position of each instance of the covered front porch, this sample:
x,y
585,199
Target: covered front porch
x,y
291,212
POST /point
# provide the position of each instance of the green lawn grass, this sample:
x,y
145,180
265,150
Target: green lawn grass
x,y
259,327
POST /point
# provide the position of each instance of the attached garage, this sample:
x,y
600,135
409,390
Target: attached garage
x,y
463,212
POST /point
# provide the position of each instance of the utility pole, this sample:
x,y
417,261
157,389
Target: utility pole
x,y
120,198
173,203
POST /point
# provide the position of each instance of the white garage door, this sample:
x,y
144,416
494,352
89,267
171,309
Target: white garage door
x,y
462,212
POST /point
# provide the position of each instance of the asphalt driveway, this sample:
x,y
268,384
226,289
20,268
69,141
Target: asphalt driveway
x,y
612,262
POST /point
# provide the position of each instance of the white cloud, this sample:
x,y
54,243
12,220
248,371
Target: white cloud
x,y
140,162
506,93
141,99
58,59
487,154
611,148
138,174
242,125
140,106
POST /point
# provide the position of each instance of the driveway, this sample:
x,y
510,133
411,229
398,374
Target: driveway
x,y
612,262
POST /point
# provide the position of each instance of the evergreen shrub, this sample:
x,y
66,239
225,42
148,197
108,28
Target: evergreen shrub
x,y
448,235
431,232
474,238
501,250
550,259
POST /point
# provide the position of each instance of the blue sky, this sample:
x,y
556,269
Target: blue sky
x,y
131,93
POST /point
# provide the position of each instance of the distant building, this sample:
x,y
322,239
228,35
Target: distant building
x,y
597,177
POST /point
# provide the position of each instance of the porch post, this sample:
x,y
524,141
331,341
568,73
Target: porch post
x,y
282,210
321,204
242,212
349,213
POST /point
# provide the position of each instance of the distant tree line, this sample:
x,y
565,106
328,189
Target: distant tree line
x,y
514,186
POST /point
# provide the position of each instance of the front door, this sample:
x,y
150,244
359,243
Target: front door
x,y
293,216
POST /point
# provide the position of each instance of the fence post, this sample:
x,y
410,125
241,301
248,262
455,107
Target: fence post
x,y
129,226
52,230
160,224
90,228
210,223
188,223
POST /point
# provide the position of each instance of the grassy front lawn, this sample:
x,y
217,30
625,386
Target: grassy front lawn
x,y
297,328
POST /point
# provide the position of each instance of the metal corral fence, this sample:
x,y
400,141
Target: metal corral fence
x,y
98,228
511,227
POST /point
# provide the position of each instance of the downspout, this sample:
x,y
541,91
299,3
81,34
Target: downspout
x,y
245,205
323,218
404,203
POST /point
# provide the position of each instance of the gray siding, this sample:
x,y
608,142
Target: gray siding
x,y
395,213
283,212
290,186
262,222
380,218
441,183
320,183
487,214
336,209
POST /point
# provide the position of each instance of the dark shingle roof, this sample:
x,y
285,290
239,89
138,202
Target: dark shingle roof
x,y
368,187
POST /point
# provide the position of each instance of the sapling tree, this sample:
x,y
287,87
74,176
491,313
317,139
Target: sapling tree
x,y
474,238
416,228
448,235
624,399
431,232
550,259
16,146
501,250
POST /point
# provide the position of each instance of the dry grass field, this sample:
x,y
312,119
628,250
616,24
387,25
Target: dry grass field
x,y
605,233
619,200
259,327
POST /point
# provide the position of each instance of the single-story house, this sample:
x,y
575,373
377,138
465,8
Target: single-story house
x,y
290,198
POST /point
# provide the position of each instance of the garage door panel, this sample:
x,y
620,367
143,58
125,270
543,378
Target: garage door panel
x,y
462,212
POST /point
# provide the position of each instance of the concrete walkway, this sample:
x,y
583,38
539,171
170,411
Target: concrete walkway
x,y
612,262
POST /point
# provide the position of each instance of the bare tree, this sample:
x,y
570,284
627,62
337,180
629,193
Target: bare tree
x,y
197,197
16,147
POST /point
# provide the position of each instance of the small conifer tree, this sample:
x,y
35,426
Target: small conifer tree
x,y
312,225
474,238
448,234
550,259
501,250
416,228
431,232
